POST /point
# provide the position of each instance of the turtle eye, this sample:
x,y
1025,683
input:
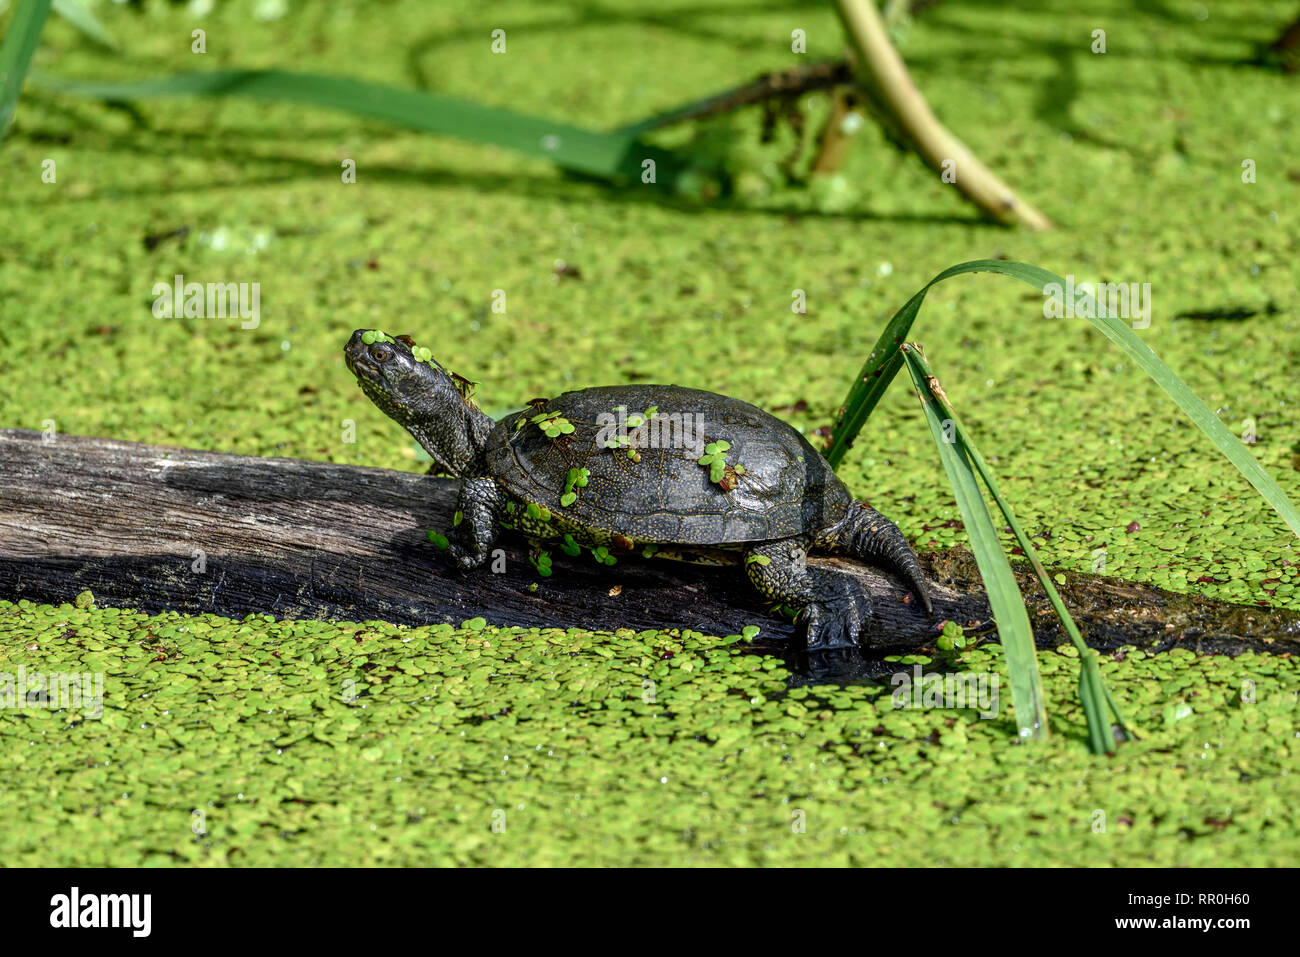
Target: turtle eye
x,y
379,355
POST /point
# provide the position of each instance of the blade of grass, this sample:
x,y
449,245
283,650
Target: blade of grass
x,y
885,360
1008,604
616,156
16,55
79,15
1093,705
1098,705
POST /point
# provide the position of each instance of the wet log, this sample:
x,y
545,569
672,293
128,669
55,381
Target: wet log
x,y
158,528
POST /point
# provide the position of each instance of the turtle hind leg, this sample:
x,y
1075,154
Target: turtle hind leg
x,y
866,534
832,606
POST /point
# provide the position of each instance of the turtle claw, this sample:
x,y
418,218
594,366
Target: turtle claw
x,y
838,620
464,558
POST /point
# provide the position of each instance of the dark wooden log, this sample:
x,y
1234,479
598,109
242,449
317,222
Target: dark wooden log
x,y
158,528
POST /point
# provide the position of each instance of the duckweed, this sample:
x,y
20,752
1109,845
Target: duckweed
x,y
306,743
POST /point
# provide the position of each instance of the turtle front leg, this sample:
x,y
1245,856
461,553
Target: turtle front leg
x,y
477,529
832,606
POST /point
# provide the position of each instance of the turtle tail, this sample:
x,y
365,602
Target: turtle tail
x,y
866,534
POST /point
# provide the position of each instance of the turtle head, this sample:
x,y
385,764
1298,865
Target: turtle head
x,y
415,391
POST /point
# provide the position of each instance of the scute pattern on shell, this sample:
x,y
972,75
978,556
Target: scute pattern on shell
x,y
787,488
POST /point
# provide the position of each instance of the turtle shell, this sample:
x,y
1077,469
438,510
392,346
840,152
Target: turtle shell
x,y
771,483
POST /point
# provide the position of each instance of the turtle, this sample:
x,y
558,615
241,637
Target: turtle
x,y
660,471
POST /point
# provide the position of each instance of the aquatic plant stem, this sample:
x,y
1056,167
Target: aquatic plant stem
x,y
884,76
